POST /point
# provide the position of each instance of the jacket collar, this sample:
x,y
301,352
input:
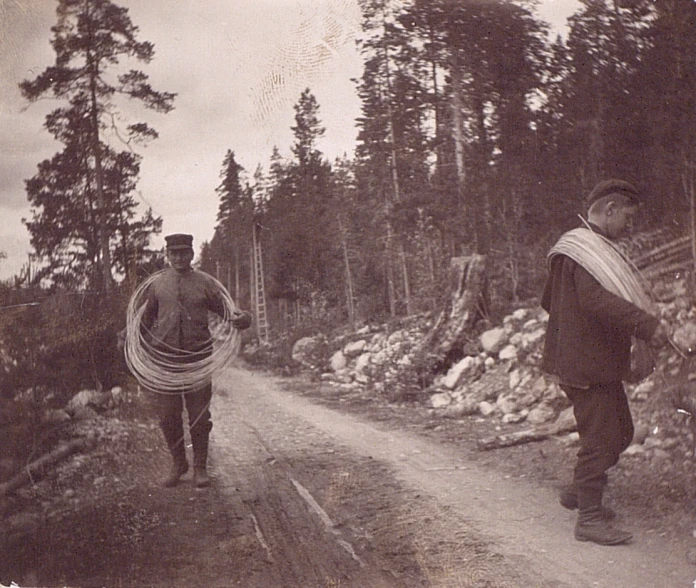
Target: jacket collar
x,y
596,229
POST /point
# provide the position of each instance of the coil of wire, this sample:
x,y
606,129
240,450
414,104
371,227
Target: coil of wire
x,y
176,371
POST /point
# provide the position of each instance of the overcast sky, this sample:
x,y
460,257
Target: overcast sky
x,y
237,67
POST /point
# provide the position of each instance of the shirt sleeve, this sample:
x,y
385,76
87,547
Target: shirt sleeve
x,y
610,309
151,310
213,299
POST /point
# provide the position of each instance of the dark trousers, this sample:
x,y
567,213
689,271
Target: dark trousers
x,y
170,407
605,427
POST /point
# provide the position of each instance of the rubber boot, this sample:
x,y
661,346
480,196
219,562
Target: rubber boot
x,y
591,525
199,440
569,499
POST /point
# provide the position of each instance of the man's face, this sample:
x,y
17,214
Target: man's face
x,y
619,219
180,259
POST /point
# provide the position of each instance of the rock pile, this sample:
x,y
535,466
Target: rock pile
x,y
502,380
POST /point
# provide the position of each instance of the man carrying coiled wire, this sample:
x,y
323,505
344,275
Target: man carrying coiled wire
x,y
598,311
174,323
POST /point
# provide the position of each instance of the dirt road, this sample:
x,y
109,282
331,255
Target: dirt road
x,y
326,499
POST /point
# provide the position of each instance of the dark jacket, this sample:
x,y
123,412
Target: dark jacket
x,y
176,311
588,337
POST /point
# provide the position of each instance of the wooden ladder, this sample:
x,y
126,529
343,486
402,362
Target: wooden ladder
x,y
259,289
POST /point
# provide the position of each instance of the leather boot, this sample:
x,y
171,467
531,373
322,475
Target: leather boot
x,y
200,477
178,469
199,440
591,525
175,442
569,499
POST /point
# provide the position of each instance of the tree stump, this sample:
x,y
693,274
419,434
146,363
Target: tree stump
x,y
455,325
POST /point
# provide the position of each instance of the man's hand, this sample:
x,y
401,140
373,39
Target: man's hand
x,y
241,320
660,337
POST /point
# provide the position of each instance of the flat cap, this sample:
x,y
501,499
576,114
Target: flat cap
x,y
607,187
179,241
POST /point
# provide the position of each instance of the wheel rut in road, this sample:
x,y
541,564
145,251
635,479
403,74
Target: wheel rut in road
x,y
301,544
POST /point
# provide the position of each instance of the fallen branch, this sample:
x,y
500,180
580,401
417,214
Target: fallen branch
x,y
38,468
525,436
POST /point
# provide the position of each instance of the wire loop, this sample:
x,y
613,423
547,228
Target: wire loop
x,y
177,371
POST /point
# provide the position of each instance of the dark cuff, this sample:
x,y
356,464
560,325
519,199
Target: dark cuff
x,y
242,322
646,327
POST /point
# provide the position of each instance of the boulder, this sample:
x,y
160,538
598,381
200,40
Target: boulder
x,y
458,371
343,377
55,416
508,353
84,413
300,350
542,413
82,398
530,324
514,379
506,404
380,357
396,338
440,400
486,408
634,449
645,387
685,337
539,387
378,341
354,349
520,314
530,340
338,361
493,340
640,433
464,407
525,398
362,362
566,419
117,395
362,379
94,399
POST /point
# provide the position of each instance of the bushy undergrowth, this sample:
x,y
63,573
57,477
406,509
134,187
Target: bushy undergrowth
x,y
65,342
52,345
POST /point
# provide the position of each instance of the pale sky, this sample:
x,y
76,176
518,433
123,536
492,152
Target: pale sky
x,y
238,67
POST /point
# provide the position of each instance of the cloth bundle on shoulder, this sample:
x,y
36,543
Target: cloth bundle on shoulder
x,y
605,262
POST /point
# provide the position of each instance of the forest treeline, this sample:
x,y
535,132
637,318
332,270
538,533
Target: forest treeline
x,y
480,131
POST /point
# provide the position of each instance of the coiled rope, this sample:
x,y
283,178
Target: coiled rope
x,y
606,263
172,372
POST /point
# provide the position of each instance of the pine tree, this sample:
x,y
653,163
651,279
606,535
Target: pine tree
x,y
89,39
